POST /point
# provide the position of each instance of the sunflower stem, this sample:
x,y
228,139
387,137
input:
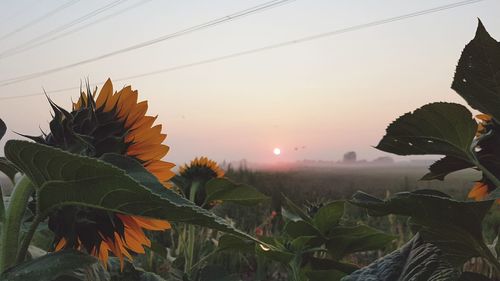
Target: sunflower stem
x,y
191,231
23,249
13,219
2,207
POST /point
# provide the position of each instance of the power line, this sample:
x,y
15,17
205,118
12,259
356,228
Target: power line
x,y
271,47
62,28
234,16
40,43
39,19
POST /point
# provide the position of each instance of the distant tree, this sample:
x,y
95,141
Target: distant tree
x,y
349,157
383,160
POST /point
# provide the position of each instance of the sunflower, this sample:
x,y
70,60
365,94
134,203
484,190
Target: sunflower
x,y
200,170
488,139
114,122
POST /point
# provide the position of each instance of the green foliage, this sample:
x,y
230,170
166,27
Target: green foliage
x,y
63,178
227,191
453,226
48,267
444,166
436,128
7,168
313,244
477,76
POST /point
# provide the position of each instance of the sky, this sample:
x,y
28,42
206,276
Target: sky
x,y
325,96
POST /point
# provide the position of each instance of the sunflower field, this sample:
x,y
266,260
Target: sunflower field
x,y
95,199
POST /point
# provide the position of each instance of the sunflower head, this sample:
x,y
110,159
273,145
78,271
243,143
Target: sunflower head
x,y
112,122
200,170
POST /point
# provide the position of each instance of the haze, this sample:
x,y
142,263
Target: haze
x,y
323,97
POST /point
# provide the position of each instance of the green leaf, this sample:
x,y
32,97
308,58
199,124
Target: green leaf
x,y
416,260
48,267
329,216
8,168
444,166
453,226
278,253
228,191
294,212
436,128
344,240
301,228
477,76
63,178
229,242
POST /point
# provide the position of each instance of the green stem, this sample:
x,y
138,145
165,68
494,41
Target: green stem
x,y
13,218
2,207
23,249
473,157
191,232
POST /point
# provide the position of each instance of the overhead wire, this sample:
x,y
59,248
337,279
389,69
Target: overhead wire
x,y
27,47
39,19
63,27
234,16
273,46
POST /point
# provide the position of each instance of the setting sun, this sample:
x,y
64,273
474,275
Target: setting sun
x,y
277,151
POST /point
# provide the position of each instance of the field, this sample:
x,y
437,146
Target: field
x,y
315,185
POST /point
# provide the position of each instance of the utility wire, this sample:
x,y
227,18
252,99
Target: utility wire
x,y
27,47
39,19
237,15
62,28
270,47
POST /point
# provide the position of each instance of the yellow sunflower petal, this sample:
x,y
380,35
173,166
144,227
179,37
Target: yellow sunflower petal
x,y
484,117
478,191
105,94
133,119
152,224
60,244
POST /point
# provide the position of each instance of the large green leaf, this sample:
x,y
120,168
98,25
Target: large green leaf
x,y
477,76
444,166
344,240
436,128
228,191
329,216
453,226
416,260
301,228
63,178
232,243
7,168
48,267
